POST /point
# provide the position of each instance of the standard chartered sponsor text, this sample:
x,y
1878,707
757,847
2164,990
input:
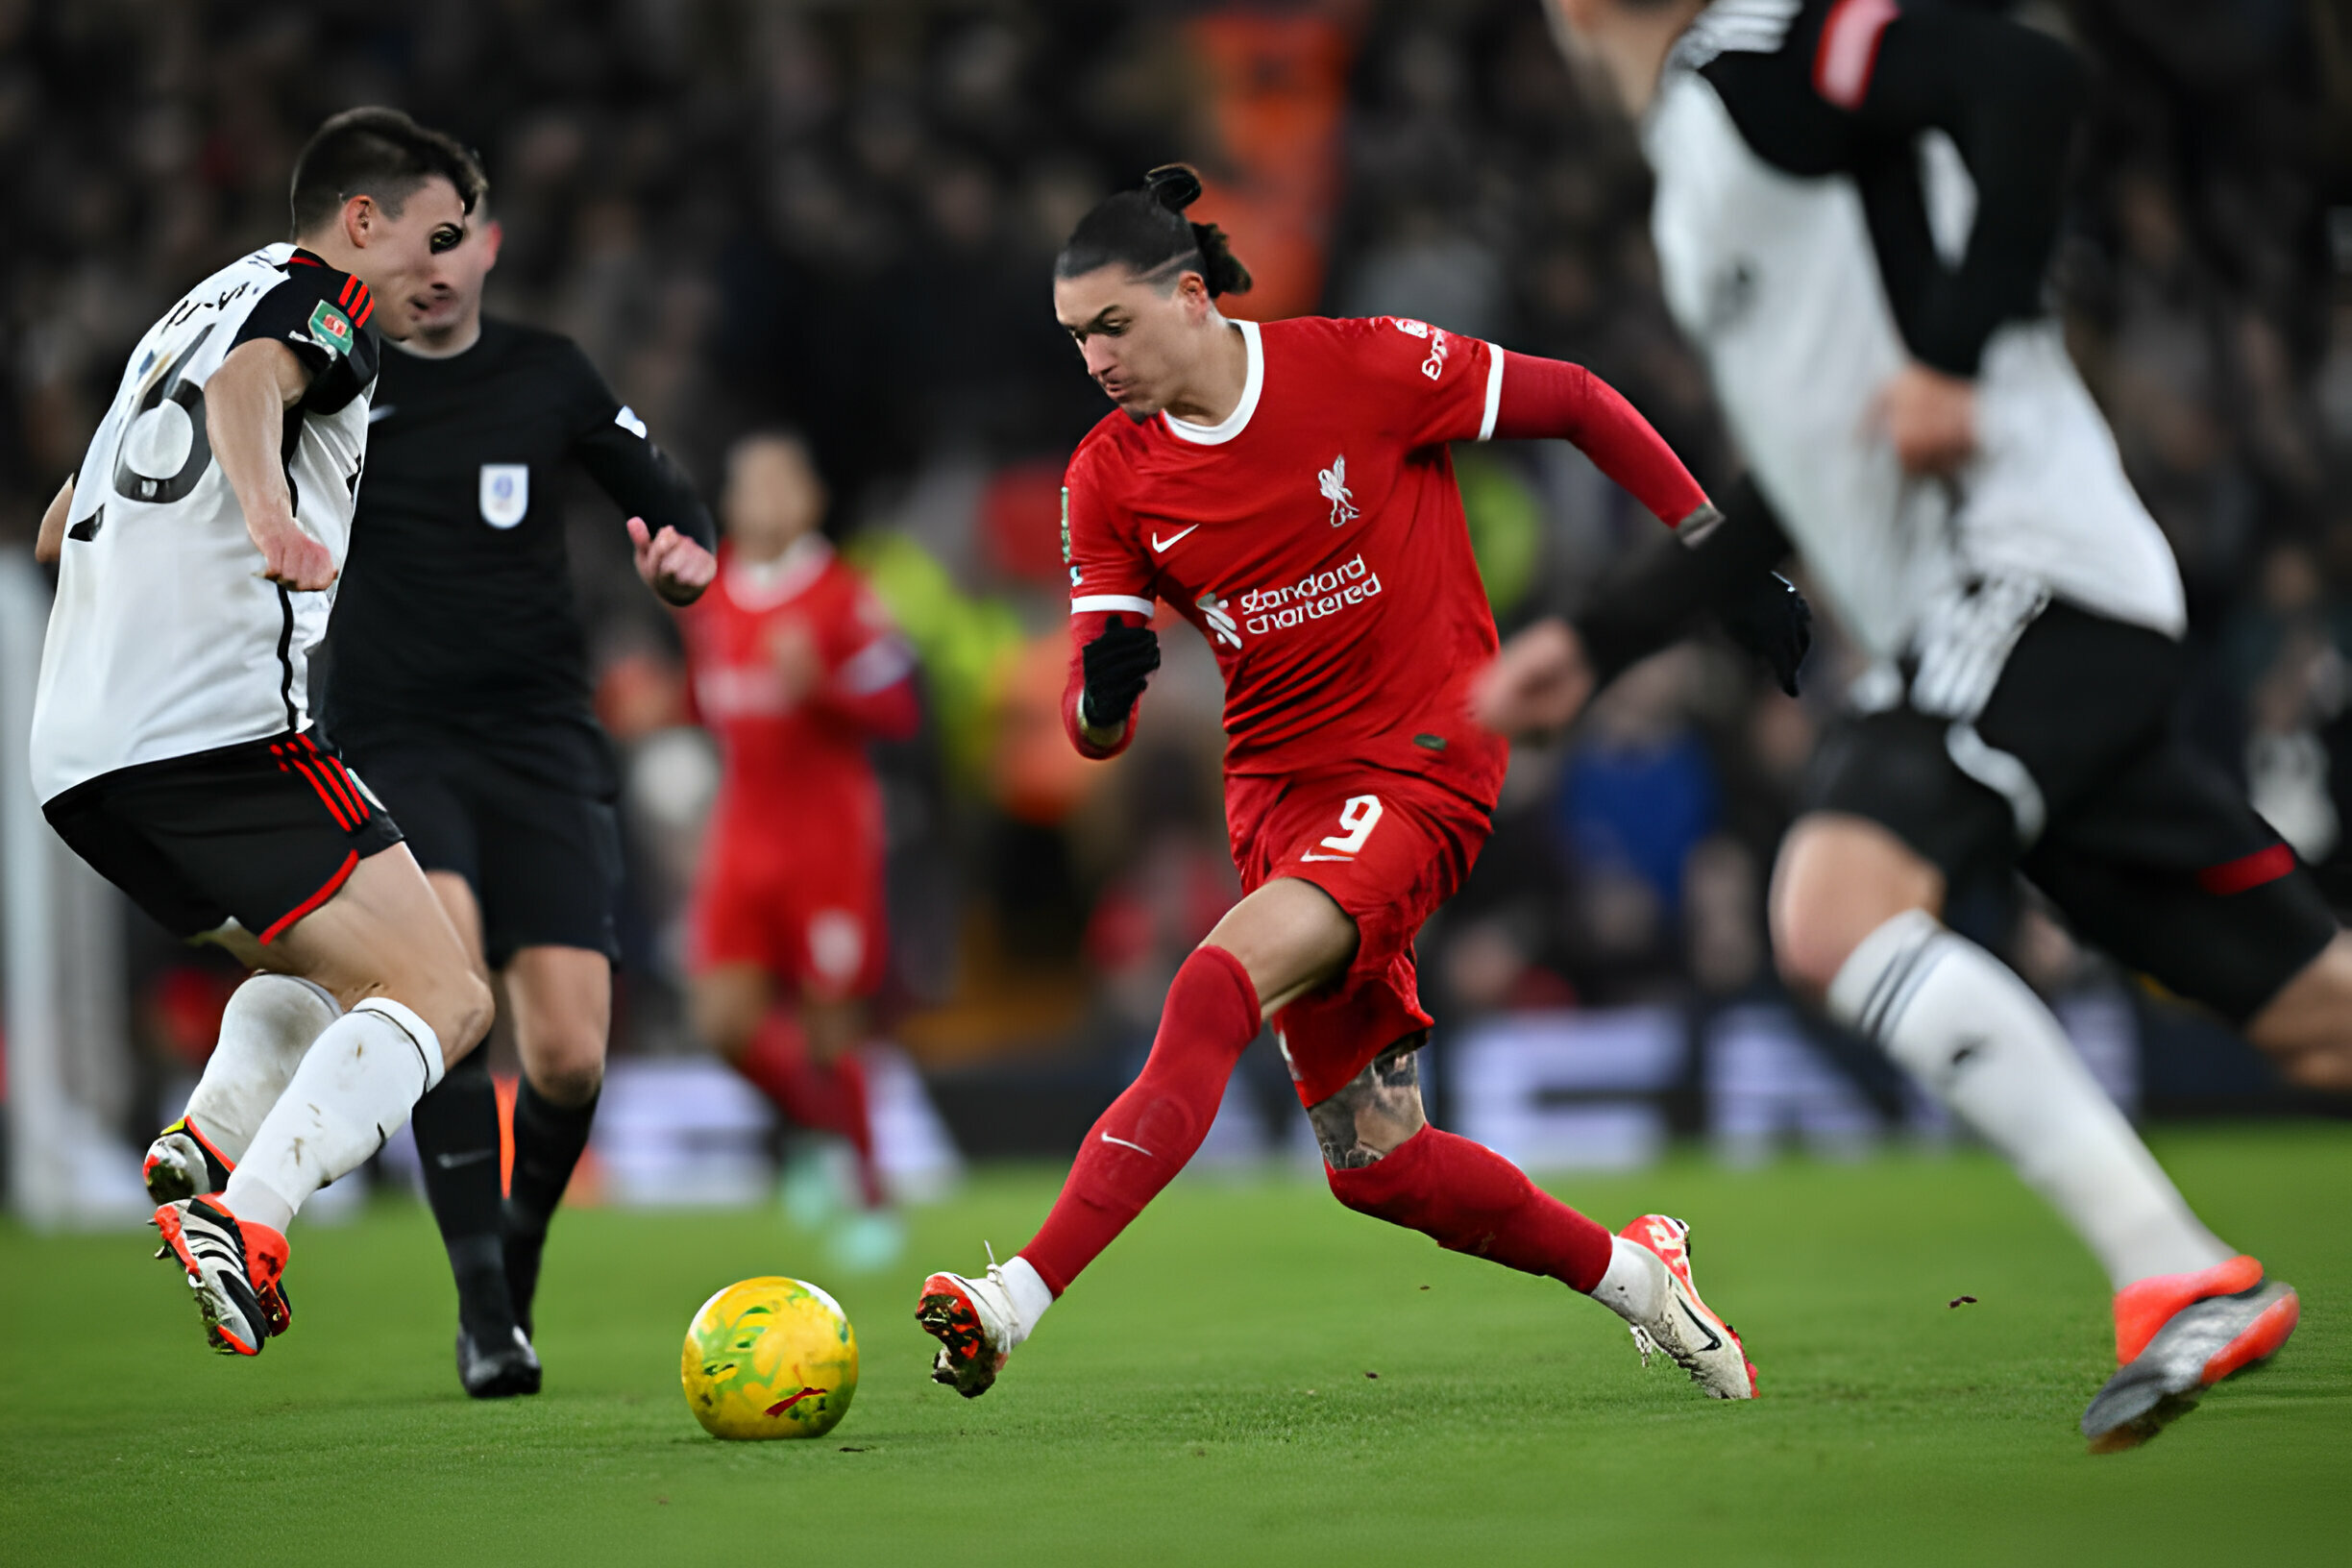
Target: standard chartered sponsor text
x,y
1309,598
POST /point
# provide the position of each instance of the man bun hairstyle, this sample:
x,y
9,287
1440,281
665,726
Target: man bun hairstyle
x,y
1145,230
381,153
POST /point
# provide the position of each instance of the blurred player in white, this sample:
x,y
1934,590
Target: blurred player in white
x,y
198,549
1855,205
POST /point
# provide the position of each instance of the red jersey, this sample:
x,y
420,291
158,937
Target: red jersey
x,y
1316,540
799,765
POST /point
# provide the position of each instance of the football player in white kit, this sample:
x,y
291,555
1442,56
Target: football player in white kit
x,y
198,547
1855,205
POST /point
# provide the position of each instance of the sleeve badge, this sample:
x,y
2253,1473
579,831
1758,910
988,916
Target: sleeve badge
x,y
330,328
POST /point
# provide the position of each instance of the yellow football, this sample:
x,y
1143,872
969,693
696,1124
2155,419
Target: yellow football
x,y
769,1357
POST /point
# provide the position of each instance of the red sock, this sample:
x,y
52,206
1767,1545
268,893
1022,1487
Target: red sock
x,y
1471,1199
1153,1129
827,1097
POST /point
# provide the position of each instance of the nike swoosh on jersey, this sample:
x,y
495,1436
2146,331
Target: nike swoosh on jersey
x,y
1326,857
1169,542
379,412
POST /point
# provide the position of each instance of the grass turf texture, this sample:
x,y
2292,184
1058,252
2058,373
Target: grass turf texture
x,y
1202,1395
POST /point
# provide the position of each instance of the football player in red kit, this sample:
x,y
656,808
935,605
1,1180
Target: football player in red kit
x,y
795,667
1288,488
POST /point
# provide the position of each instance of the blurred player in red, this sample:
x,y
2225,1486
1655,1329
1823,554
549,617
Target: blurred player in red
x,y
1289,490
795,667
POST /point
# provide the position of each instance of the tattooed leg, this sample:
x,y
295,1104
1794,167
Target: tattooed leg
x,y
1378,1109
1386,1161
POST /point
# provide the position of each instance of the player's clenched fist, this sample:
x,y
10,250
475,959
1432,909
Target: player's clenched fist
x,y
1117,664
291,556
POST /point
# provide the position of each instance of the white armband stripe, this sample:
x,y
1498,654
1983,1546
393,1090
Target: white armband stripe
x,y
1086,603
1494,391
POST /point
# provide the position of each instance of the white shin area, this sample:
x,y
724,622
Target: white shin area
x,y
1978,1039
1031,1296
354,1087
267,1027
1634,1286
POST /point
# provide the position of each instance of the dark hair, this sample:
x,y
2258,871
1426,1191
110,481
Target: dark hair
x,y
381,153
1145,230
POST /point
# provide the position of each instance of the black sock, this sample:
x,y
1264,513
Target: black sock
x,y
548,1138
457,1141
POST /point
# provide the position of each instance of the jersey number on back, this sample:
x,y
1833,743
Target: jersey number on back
x,y
164,450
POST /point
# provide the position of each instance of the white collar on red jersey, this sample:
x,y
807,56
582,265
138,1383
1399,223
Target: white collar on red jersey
x,y
1225,430
763,585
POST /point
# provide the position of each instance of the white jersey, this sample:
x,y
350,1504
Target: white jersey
x,y
1776,277
165,640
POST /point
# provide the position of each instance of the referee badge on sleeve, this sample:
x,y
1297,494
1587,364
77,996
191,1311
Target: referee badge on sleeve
x,y
506,493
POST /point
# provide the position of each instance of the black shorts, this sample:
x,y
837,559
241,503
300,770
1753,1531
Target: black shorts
x,y
544,862
2072,774
261,833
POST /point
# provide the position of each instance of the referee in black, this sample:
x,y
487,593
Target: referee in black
x,y
458,689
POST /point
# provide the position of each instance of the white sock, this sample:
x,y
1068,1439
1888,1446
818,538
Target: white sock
x,y
267,1027
1031,1296
1982,1042
1634,1285
354,1087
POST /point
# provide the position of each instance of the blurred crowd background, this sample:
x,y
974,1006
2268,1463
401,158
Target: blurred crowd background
x,y
841,216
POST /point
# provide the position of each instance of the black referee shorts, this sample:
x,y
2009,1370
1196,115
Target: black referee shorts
x,y
2071,775
262,832
544,862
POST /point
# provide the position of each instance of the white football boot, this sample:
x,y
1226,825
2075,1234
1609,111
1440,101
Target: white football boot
x,y
1684,1329
976,1325
182,1163
234,1268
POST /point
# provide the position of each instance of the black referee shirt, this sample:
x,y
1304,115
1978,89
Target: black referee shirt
x,y
455,619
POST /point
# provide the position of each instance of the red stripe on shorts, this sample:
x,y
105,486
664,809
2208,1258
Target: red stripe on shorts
x,y
334,884
324,795
2247,871
331,768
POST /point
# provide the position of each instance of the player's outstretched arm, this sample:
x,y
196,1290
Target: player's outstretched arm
x,y
245,404
1553,399
1760,609
669,526
50,543
1654,595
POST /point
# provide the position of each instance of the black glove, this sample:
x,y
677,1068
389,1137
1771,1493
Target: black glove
x,y
1769,618
1118,663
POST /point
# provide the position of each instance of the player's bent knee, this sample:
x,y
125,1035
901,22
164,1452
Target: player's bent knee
x,y
565,1065
569,1083
1839,878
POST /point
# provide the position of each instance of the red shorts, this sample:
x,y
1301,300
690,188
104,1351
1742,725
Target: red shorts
x,y
1389,848
808,911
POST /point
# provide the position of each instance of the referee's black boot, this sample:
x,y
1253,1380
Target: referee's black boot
x,y
491,1370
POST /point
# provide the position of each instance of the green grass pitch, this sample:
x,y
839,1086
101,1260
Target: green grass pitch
x,y
1202,1395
